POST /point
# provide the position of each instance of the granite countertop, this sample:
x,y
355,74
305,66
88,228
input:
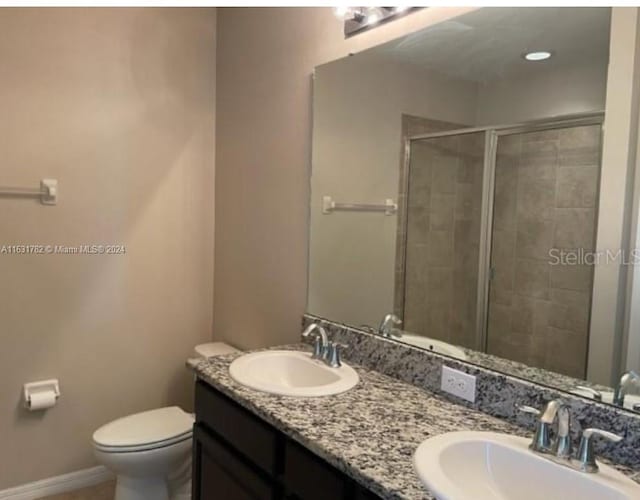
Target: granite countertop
x,y
370,432
533,374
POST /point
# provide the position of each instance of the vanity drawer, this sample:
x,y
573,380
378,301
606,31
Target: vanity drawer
x,y
246,433
308,477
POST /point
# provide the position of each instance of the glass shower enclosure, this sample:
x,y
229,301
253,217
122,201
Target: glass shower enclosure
x,y
494,226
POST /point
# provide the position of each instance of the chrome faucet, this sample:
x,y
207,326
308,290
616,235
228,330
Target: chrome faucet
x,y
620,392
541,442
320,340
560,452
323,348
558,409
386,328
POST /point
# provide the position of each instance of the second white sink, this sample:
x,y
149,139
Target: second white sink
x,y
291,373
433,345
491,466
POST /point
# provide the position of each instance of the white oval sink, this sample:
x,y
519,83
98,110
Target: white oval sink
x,y
434,345
491,466
607,397
291,373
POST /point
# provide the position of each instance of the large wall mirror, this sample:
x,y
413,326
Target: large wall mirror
x,y
456,184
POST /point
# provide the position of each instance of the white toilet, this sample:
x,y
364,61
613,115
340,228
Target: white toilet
x,y
150,452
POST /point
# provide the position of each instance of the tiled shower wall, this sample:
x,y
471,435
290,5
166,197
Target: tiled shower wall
x,y
443,228
545,199
411,126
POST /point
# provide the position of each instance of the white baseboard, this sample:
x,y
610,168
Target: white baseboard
x,y
59,484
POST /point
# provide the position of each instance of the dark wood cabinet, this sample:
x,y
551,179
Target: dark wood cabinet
x,y
238,456
219,474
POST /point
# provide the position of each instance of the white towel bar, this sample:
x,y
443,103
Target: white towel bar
x,y
48,192
329,206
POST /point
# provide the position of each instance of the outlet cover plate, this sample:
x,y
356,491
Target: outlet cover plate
x,y
458,383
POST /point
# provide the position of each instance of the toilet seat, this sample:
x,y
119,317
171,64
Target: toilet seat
x,y
144,431
143,447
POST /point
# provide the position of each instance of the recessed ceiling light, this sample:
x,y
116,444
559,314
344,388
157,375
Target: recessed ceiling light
x,y
538,55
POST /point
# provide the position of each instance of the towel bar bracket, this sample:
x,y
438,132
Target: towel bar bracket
x,y
48,192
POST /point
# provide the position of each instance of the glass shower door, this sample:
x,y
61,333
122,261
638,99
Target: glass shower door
x,y
443,223
544,219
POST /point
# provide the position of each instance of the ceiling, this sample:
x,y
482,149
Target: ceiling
x,y
487,44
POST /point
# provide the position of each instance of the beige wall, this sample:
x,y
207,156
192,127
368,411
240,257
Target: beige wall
x,y
559,91
118,105
265,61
613,313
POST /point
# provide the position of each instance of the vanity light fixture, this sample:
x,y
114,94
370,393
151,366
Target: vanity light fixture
x,y
373,17
342,11
358,19
538,55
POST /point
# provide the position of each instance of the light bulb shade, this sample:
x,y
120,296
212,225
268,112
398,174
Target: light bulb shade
x,y
341,12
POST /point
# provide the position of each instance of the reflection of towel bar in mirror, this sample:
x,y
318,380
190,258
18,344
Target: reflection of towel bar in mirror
x,y
48,192
329,206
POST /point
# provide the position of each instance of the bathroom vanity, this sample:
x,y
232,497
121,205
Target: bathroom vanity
x,y
359,444
237,455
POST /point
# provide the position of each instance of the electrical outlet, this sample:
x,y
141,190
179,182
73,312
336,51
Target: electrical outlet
x,y
458,383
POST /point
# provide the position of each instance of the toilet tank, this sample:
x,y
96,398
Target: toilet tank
x,y
212,349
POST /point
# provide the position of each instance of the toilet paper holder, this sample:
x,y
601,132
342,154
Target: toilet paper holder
x,y
42,386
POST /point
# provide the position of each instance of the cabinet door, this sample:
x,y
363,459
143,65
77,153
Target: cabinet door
x,y
219,474
308,477
239,428
363,494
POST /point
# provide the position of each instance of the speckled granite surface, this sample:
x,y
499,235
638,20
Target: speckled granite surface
x,y
370,432
530,373
497,393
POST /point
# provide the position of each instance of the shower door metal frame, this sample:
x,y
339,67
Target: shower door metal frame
x,y
492,134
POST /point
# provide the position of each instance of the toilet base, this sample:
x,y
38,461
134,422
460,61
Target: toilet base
x,y
141,488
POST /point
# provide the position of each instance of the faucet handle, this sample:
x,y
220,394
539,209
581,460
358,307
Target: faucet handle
x,y
528,409
333,354
596,395
541,441
586,455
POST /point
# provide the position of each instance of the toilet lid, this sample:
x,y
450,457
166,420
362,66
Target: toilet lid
x,y
149,427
